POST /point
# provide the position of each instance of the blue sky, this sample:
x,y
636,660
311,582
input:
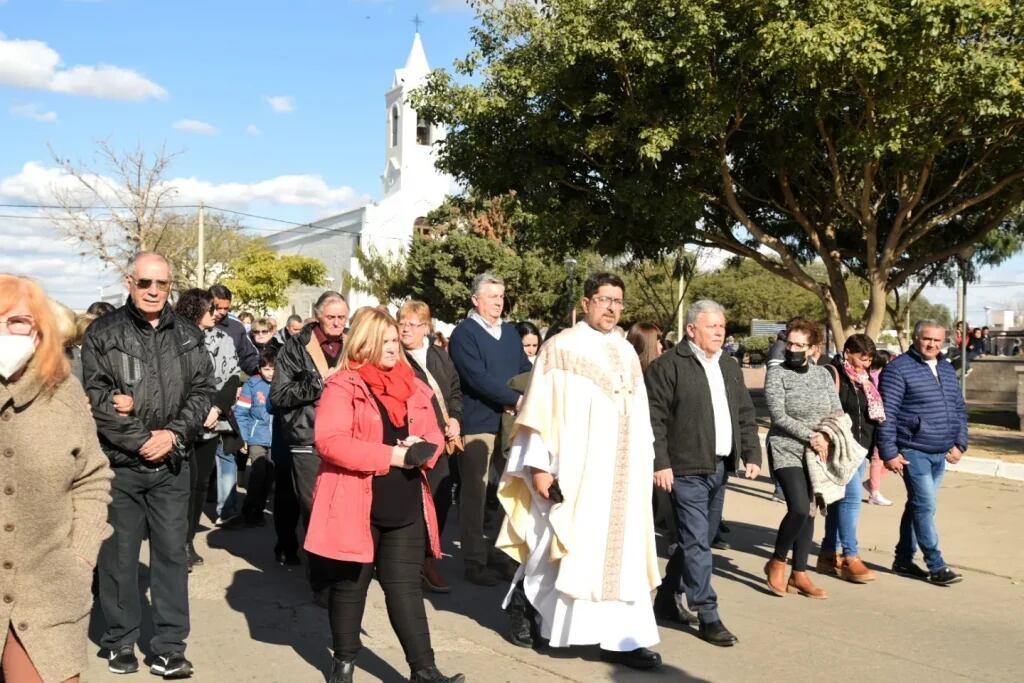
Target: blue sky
x,y
277,108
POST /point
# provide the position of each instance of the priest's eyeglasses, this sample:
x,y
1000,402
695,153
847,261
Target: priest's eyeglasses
x,y
19,325
608,301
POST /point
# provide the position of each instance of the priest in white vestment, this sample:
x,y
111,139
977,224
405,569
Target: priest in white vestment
x,y
583,437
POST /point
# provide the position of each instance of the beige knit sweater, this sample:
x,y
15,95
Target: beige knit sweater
x,y
54,491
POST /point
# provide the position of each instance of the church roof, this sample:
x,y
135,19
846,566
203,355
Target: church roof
x,y
416,67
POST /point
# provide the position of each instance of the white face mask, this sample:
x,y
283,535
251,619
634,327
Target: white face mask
x,y
15,351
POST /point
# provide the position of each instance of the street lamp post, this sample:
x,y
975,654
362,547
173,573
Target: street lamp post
x,y
570,267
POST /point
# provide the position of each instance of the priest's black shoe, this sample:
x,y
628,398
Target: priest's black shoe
x,y
640,658
520,618
342,672
716,633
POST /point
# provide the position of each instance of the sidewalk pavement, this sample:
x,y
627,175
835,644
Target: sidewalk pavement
x,y
253,620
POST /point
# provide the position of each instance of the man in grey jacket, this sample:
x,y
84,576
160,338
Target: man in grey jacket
x,y
704,423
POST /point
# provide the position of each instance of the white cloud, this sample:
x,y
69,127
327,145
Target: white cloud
x,y
34,64
31,111
194,126
253,130
282,104
38,184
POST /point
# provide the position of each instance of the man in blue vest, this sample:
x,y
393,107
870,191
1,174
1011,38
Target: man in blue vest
x,y
925,427
487,353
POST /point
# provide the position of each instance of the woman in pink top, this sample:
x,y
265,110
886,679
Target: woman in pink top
x,y
376,435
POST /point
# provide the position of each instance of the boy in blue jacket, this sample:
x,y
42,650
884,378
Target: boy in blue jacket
x,y
252,412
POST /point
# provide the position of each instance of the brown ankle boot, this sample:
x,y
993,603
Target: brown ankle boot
x,y
800,582
855,571
829,563
432,578
775,573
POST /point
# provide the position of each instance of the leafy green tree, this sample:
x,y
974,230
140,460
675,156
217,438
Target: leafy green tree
x,y
259,278
874,138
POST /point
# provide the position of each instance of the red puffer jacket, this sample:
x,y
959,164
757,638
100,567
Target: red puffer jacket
x,y
349,435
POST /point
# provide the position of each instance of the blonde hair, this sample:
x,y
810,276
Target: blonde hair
x,y
49,360
81,325
417,308
365,341
65,320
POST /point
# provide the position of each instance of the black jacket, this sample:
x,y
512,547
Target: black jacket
x,y
682,415
248,356
855,404
165,369
447,378
296,389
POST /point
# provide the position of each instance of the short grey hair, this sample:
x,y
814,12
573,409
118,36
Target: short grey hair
x,y
144,255
698,308
928,323
327,297
485,279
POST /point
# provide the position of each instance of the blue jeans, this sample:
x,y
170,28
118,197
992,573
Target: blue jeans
x,y
697,501
842,516
227,476
922,477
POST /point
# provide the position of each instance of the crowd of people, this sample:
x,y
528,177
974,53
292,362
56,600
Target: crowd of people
x,y
566,451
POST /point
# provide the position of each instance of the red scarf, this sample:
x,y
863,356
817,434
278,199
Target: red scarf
x,y
391,387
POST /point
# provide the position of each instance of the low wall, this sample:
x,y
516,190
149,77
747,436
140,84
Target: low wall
x,y
993,381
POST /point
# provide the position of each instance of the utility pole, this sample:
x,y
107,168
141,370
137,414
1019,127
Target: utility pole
x,y
680,313
201,252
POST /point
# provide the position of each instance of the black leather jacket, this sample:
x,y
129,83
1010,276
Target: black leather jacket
x,y
165,369
296,389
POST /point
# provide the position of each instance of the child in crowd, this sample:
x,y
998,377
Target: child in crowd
x,y
252,411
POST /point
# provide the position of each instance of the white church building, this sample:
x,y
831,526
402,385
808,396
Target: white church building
x,y
412,187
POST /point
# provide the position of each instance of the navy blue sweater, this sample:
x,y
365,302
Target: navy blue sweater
x,y
922,413
485,365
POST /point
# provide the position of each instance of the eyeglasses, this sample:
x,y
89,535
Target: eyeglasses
x,y
261,331
146,283
20,325
335,318
797,345
608,301
405,325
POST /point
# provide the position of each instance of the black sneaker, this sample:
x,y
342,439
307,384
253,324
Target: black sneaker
x,y
910,570
945,577
122,660
173,665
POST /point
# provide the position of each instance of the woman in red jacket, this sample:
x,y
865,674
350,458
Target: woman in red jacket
x,y
376,434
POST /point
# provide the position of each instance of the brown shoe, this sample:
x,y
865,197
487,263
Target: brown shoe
x,y
432,578
800,582
775,574
830,564
855,571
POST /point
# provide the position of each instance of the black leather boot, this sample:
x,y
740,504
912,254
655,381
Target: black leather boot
x,y
432,675
341,672
520,618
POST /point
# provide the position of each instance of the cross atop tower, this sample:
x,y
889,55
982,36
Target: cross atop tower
x,y
417,22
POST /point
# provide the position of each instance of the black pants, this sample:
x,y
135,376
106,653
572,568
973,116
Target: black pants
x,y
286,505
398,561
157,501
204,456
305,465
260,480
797,528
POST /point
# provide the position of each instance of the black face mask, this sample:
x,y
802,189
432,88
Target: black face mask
x,y
796,359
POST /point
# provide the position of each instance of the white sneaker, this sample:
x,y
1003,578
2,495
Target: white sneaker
x,y
877,498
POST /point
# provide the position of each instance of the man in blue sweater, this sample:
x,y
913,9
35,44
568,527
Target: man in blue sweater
x,y
925,427
487,353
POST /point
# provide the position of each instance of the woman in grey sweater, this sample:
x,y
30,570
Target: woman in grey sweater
x,y
799,394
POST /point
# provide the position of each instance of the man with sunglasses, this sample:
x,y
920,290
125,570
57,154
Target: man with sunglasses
x,y
248,356
158,360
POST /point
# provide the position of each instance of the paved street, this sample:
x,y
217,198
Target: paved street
x,y
253,621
